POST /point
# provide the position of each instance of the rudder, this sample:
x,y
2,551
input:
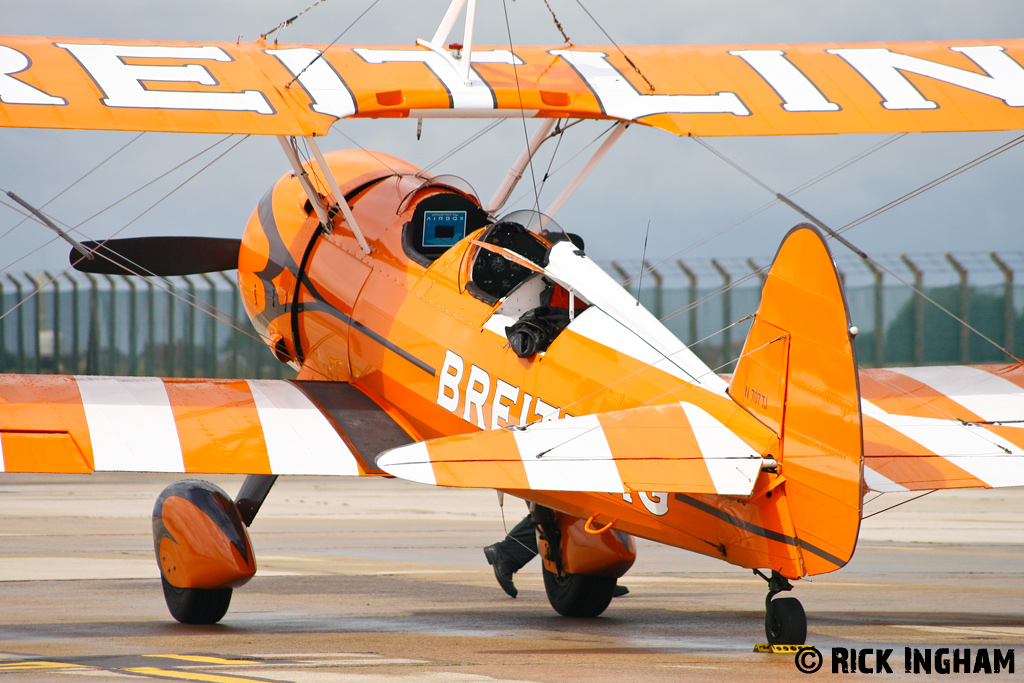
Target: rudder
x,y
798,375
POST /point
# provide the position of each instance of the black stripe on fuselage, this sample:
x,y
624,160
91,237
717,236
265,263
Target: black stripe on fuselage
x,y
759,530
280,257
323,307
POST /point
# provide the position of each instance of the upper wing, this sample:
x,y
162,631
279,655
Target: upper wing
x,y
943,427
676,447
687,90
81,424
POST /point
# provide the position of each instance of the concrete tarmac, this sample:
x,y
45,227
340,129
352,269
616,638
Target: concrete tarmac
x,y
384,580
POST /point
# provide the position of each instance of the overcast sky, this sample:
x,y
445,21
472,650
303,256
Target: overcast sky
x,y
681,190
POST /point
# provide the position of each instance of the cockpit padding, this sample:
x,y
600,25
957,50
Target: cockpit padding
x,y
553,236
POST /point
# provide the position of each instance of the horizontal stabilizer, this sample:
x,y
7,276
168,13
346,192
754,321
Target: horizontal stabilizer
x,y
82,424
677,447
943,427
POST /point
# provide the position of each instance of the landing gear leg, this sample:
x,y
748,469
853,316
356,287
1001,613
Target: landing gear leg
x,y
784,621
252,494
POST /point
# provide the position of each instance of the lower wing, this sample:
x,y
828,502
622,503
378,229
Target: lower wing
x,y
82,424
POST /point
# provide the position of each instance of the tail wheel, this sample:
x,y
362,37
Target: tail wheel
x,y
785,622
578,595
196,605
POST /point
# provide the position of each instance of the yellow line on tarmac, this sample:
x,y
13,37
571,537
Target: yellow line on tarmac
x,y
203,659
191,676
35,664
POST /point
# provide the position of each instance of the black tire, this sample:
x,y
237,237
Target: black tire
x,y
578,595
196,605
785,622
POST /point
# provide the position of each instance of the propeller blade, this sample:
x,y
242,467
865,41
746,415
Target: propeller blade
x,y
159,256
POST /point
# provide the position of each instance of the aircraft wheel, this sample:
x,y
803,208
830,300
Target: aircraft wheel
x,y
578,595
196,605
785,622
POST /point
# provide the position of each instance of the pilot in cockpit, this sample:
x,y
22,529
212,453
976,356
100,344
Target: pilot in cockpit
x,y
543,309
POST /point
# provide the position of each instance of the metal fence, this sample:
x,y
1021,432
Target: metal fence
x,y
699,300
195,327
112,325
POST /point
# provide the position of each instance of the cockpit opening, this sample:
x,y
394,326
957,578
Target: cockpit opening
x,y
494,274
537,308
534,331
438,223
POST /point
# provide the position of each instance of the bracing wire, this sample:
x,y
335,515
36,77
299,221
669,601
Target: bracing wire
x,y
910,195
330,44
558,134
621,51
76,228
549,174
72,185
465,143
652,400
141,272
522,111
908,500
186,298
935,183
936,407
764,207
558,24
711,295
287,22
668,357
376,157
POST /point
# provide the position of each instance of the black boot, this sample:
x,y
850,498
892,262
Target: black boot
x,y
502,570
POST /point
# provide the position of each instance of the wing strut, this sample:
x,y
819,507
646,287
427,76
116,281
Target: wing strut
x,y
574,184
339,197
288,145
444,29
516,172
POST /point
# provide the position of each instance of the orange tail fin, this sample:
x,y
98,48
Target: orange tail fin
x,y
798,374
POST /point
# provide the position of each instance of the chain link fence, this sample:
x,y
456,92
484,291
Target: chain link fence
x,y
195,326
112,325
700,301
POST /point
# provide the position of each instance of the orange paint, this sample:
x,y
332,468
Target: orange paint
x,y
663,434
43,428
821,450
748,89
903,460
218,424
601,553
417,336
197,554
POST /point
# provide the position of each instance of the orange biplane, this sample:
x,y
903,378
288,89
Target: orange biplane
x,y
442,339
